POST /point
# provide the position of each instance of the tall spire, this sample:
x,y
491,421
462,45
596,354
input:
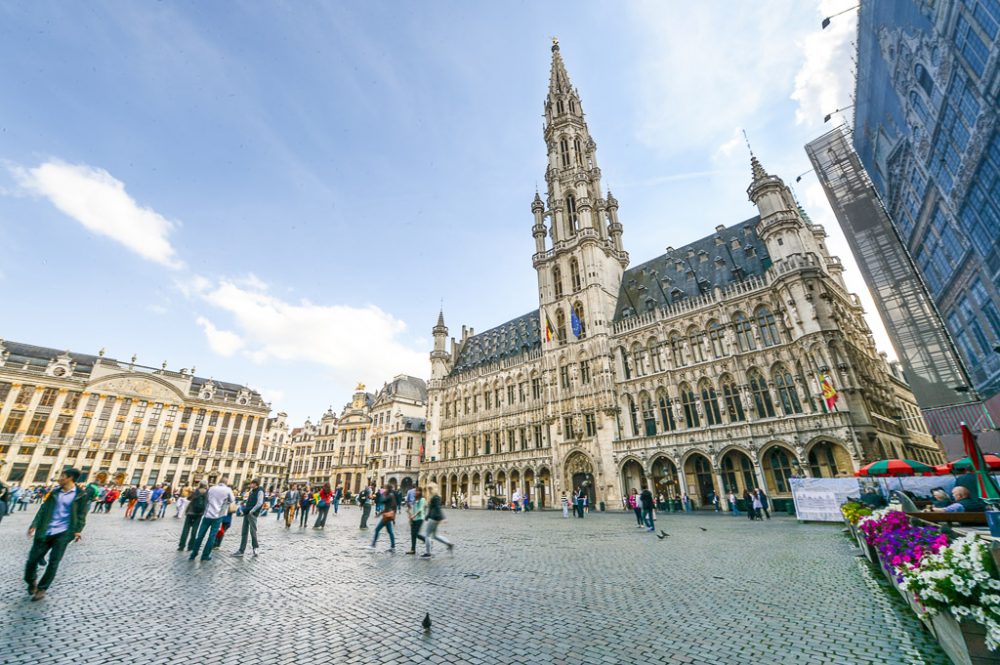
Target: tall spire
x,y
757,171
558,78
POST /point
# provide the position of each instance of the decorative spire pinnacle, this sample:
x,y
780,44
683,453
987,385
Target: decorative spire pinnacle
x,y
558,78
756,169
440,323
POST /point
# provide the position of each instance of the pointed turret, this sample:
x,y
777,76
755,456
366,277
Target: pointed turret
x,y
781,225
439,356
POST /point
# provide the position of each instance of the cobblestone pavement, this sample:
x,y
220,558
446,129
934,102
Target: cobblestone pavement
x,y
532,588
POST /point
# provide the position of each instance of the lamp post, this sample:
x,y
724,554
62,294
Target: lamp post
x,y
826,21
829,115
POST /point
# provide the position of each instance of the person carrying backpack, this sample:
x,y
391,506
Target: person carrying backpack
x,y
192,517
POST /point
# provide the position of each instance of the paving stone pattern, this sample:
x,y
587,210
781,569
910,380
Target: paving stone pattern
x,y
532,588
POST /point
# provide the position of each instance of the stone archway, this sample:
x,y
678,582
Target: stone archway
x,y
633,477
700,479
737,473
666,481
500,486
828,459
476,493
452,488
580,473
778,462
530,490
463,489
544,487
514,484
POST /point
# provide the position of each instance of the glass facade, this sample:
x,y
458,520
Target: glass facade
x,y
926,130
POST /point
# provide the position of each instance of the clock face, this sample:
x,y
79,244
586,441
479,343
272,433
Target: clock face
x,y
59,371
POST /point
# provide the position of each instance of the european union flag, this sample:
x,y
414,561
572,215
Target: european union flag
x,y
577,325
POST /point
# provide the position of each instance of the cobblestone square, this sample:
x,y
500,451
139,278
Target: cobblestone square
x,y
520,588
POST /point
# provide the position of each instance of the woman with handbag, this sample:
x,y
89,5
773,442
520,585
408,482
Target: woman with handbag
x,y
323,506
387,517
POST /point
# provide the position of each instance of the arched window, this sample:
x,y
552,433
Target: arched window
x,y
787,395
648,415
653,349
710,403
781,468
696,342
581,325
634,415
563,146
768,328
822,461
731,395
688,404
638,357
571,216
560,325
677,349
557,281
924,79
576,149
574,274
572,106
761,395
918,106
626,370
744,334
715,338
666,412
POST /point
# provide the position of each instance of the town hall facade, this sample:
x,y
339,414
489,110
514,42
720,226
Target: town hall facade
x,y
698,372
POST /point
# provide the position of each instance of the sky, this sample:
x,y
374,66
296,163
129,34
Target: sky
x,y
283,194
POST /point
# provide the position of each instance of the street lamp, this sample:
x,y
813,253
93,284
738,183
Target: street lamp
x,y
827,117
826,21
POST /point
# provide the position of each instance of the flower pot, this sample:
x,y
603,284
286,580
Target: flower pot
x,y
867,549
964,642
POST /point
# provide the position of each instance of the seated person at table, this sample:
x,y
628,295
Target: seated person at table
x,y
941,498
873,499
964,502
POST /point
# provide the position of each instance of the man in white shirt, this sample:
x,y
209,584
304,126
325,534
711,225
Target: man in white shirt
x,y
217,503
516,500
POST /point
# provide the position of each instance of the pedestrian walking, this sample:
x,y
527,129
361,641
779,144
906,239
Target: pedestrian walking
x,y
323,507
58,522
305,500
435,515
365,499
141,502
289,503
764,505
131,497
155,499
646,500
580,499
194,511
733,508
565,505
388,518
218,502
180,502
165,500
4,501
338,494
636,506
756,503
251,509
417,512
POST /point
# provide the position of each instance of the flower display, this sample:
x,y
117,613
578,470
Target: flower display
x,y
854,511
899,544
963,579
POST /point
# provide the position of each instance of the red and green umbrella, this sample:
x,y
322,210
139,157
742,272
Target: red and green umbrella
x,y
988,489
896,467
967,465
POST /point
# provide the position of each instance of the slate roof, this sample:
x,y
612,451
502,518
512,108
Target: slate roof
x,y
509,339
38,357
406,387
727,256
414,424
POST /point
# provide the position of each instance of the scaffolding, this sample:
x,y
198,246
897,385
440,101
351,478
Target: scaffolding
x,y
925,350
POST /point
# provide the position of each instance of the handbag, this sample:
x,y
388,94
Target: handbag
x,y
232,508
388,515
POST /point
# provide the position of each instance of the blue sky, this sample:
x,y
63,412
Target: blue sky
x,y
282,193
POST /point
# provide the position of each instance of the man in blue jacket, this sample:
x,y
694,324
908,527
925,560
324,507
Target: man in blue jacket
x,y
60,519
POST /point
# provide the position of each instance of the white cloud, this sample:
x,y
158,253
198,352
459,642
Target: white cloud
x,y
708,67
99,202
726,150
224,342
824,82
356,343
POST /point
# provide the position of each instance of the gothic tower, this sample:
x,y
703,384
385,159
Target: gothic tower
x,y
579,275
580,271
